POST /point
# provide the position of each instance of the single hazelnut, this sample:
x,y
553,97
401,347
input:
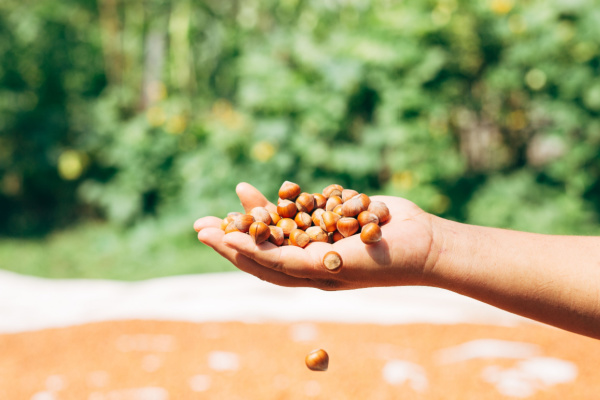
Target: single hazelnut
x,y
366,217
320,200
274,217
347,194
289,191
370,233
332,261
287,209
316,234
316,216
276,235
336,237
317,360
347,226
299,238
332,202
231,228
305,202
353,207
242,222
303,220
234,214
328,221
226,221
338,209
381,210
259,231
332,190
261,214
288,225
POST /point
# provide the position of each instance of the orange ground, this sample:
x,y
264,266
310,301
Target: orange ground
x,y
157,360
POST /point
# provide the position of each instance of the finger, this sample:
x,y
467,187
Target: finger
x,y
207,222
290,260
213,237
252,197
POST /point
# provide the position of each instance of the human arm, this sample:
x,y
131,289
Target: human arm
x,y
552,279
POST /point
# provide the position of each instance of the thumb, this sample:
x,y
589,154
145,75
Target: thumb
x,y
252,197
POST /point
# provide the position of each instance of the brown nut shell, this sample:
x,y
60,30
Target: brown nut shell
x,y
317,360
347,226
226,221
316,234
333,190
332,261
289,191
305,202
242,222
274,217
316,216
259,232
231,228
347,194
381,210
288,225
320,200
261,214
303,220
338,209
332,202
328,221
353,207
336,236
370,233
367,217
287,209
299,238
276,235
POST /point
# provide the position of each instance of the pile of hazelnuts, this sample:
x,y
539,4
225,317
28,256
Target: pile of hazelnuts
x,y
302,218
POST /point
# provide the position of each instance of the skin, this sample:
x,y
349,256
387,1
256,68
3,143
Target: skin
x,y
551,279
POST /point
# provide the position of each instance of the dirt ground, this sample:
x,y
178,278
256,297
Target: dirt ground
x,y
159,360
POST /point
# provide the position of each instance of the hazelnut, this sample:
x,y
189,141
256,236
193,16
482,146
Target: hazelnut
x,y
289,191
234,214
381,210
332,202
299,238
288,225
276,235
261,214
259,231
226,221
305,202
274,217
243,221
320,200
366,217
317,360
347,226
231,228
303,220
332,261
316,216
338,209
371,233
347,194
353,207
316,234
332,190
336,236
328,221
287,209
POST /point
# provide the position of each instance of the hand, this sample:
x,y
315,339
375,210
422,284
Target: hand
x,y
402,257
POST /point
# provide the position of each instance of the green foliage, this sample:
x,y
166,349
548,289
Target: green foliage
x,y
156,112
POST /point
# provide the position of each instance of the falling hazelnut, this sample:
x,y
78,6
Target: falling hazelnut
x,y
317,360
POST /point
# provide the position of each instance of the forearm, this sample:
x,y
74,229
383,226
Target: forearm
x,y
552,279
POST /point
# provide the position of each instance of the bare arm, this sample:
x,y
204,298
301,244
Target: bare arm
x,y
552,279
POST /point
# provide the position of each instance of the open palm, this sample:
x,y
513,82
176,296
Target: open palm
x,y
400,258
